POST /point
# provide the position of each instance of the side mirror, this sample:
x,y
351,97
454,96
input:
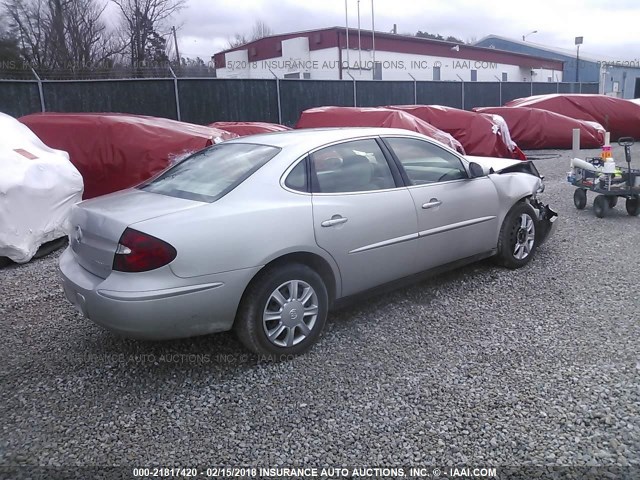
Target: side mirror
x,y
476,170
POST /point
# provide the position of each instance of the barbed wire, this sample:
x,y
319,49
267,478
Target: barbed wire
x,y
116,73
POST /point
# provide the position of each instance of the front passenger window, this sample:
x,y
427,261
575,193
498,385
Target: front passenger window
x,y
355,166
425,162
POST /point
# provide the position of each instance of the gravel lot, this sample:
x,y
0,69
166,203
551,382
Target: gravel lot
x,y
482,366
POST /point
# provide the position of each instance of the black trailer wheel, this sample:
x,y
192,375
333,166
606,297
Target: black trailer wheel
x,y
601,206
613,201
580,198
633,206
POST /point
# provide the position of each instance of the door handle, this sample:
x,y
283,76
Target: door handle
x,y
335,220
434,202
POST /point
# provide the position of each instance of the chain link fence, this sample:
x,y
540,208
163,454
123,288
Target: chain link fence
x,y
201,98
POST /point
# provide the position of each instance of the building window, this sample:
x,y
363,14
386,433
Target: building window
x,y
292,75
436,74
505,77
474,75
377,71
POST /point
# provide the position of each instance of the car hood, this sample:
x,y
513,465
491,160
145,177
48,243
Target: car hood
x,y
498,164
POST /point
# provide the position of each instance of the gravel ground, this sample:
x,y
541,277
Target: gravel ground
x,y
481,366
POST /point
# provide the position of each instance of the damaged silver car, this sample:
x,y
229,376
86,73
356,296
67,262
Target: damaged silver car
x,y
264,234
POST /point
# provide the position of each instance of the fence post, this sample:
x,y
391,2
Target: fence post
x,y
461,89
40,91
175,89
278,96
355,98
415,90
499,89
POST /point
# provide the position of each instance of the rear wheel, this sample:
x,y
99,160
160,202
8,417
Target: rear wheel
x,y
580,198
283,311
517,241
613,201
601,206
633,206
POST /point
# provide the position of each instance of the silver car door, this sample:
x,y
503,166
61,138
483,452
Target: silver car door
x,y
360,217
457,216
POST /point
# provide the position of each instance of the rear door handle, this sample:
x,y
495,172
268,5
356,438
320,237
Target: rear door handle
x,y
335,220
434,202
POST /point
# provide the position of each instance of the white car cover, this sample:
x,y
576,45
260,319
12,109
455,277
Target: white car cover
x,y
38,186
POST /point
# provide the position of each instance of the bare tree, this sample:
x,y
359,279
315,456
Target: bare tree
x,y
30,21
141,20
260,30
61,34
238,40
88,40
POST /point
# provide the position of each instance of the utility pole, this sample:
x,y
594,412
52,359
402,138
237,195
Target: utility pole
x,y
175,42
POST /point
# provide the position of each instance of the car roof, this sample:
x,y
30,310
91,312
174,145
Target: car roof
x,y
313,137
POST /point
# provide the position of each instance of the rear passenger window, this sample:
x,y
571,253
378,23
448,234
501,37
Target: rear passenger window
x,y
355,166
297,178
425,162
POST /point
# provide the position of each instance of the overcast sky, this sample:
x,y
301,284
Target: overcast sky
x,y
611,29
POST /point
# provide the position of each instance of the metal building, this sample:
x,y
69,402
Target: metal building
x,y
619,78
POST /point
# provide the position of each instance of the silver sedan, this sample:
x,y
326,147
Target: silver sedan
x,y
264,234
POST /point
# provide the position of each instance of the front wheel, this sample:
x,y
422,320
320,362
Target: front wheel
x,y
633,206
517,241
283,311
580,198
601,206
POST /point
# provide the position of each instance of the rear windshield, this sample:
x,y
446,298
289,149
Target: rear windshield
x,y
213,172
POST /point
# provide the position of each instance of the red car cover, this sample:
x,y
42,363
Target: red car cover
x,y
618,116
533,128
115,151
249,128
478,133
373,117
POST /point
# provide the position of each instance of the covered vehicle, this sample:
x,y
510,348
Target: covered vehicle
x,y
38,186
536,129
263,234
480,134
113,151
374,117
618,116
249,128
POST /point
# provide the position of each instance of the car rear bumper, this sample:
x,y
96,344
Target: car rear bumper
x,y
152,313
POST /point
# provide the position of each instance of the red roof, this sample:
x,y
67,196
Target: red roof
x,y
271,47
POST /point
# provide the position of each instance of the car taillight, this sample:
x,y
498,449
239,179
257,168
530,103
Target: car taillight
x,y
139,252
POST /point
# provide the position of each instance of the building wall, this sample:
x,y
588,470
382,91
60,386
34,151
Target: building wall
x,y
619,81
589,70
332,63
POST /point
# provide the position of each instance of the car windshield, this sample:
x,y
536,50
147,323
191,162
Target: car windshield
x,y
213,172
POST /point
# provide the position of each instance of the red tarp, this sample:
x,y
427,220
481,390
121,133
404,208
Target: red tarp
x,y
373,117
478,133
249,128
618,116
533,128
114,151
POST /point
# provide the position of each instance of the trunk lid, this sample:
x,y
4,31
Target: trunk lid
x,y
98,224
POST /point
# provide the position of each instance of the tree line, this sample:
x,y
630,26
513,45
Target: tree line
x,y
74,35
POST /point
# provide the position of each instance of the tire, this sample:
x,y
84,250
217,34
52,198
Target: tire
x,y
601,206
633,206
517,231
259,300
613,201
580,198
